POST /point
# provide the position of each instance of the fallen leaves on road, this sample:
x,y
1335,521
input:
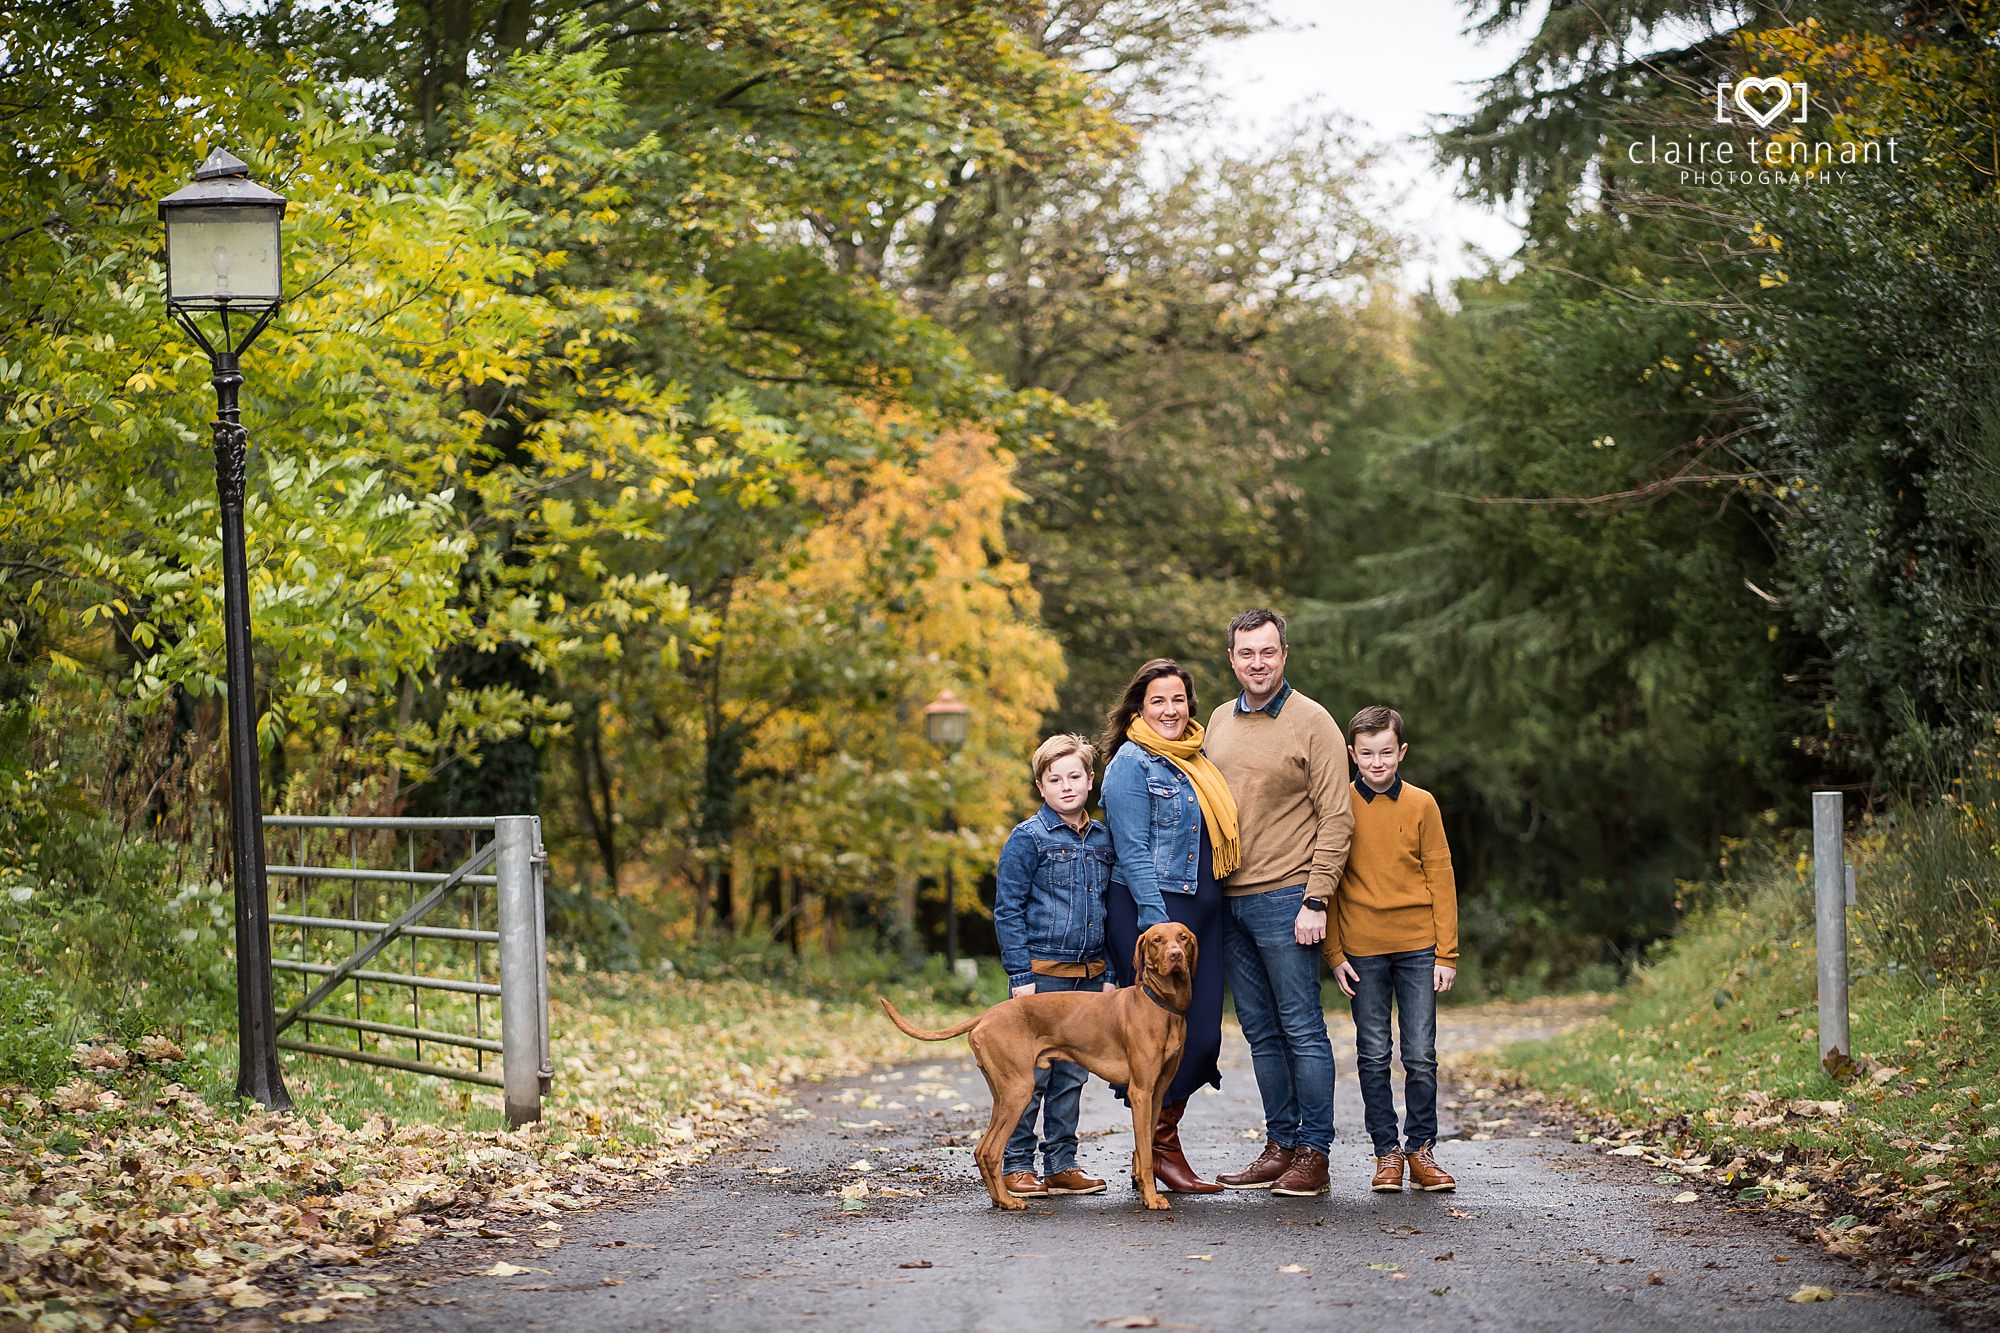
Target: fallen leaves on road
x,y
504,1269
124,1193
1808,1295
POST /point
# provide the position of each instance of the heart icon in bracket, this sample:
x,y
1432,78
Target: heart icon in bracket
x,y
1778,88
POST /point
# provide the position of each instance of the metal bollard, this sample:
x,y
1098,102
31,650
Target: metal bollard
x,y
1830,921
521,1022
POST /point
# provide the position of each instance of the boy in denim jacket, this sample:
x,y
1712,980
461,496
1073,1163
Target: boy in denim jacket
x,y
1048,912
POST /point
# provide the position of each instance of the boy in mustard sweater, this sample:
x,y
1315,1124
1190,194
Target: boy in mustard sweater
x,y
1392,940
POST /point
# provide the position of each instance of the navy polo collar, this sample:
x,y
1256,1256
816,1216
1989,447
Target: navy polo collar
x,y
1274,707
1369,794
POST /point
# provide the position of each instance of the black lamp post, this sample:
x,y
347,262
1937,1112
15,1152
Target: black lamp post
x,y
223,259
946,721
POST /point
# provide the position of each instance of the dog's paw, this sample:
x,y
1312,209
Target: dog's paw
x,y
1012,1203
1158,1203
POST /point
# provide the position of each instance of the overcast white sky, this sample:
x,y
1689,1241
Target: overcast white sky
x,y
1393,69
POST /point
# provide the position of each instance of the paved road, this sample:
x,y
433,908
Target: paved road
x,y
1542,1234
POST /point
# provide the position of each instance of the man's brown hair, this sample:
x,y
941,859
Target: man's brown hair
x,y
1255,618
1062,747
1373,718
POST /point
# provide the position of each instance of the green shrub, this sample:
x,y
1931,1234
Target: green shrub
x,y
1516,950
34,1042
103,931
1930,904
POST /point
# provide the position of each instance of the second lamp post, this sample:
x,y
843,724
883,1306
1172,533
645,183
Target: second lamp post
x,y
946,723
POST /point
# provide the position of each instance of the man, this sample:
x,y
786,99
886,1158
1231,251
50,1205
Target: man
x,y
1286,763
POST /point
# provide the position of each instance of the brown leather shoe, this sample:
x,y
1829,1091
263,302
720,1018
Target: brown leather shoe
x,y
1305,1177
1260,1174
1072,1181
1388,1173
1426,1174
1170,1164
1025,1183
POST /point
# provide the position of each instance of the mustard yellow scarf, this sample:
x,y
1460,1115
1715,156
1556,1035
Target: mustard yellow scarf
x,y
1218,807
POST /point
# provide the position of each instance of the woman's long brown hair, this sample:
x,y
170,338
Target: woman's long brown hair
x,y
1130,703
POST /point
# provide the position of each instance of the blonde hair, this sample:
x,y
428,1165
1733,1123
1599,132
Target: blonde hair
x,y
1062,747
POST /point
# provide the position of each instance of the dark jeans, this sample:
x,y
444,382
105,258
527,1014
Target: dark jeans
x,y
1058,1096
1275,980
1404,980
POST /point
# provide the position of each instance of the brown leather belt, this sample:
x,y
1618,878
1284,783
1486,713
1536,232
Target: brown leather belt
x,y
1043,967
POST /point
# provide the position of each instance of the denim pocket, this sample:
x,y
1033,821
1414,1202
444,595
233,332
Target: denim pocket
x,y
1097,870
1059,868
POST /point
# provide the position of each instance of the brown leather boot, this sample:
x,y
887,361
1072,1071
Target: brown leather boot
x,y
1270,1164
1170,1164
1426,1174
1305,1177
1388,1173
1073,1181
1024,1183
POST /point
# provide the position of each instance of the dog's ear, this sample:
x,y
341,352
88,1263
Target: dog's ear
x,y
1193,951
1139,959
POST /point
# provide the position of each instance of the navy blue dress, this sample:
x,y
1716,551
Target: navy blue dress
x,y
1201,912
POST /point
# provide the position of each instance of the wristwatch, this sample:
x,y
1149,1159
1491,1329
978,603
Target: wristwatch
x,y
1316,904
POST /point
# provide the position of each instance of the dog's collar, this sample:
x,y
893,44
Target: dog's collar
x,y
1154,996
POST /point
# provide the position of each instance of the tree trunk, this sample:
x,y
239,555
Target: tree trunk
x,y
788,910
715,815
904,924
596,798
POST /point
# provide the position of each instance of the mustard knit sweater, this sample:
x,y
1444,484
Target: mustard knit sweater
x,y
1397,892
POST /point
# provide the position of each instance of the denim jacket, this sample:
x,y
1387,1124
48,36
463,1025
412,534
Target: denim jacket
x,y
1049,903
1155,828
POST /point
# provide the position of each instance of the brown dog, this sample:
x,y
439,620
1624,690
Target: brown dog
x,y
1132,1036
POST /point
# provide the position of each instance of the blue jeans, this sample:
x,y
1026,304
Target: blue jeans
x,y
1275,980
1058,1096
1405,980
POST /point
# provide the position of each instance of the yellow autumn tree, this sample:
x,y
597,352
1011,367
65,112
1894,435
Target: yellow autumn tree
x,y
906,590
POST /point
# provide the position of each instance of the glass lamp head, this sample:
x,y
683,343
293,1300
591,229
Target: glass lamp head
x,y
947,720
223,249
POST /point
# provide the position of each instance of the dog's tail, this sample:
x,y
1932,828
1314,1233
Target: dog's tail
x,y
942,1034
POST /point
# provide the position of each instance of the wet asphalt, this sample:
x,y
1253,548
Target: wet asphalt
x,y
1542,1233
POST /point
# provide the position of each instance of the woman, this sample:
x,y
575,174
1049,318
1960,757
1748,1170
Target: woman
x,y
1173,824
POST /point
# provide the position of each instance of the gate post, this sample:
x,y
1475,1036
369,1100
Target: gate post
x,y
545,1068
521,1021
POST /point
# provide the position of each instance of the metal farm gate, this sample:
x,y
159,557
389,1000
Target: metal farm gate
x,y
362,897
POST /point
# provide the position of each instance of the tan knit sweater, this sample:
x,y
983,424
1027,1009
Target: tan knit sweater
x,y
1289,776
1398,892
